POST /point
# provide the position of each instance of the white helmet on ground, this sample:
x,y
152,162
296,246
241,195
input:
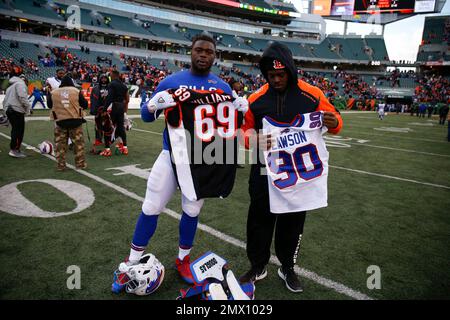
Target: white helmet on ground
x,y
46,147
144,277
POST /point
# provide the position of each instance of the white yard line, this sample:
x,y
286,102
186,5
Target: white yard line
x,y
134,128
388,135
47,118
398,125
376,174
360,112
333,285
397,149
141,130
391,177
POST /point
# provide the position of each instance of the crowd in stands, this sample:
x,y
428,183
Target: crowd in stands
x,y
8,64
250,81
328,87
141,72
58,57
432,89
30,66
5,66
393,78
432,36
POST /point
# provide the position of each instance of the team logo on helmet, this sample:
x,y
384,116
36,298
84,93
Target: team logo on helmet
x,y
141,279
46,147
278,65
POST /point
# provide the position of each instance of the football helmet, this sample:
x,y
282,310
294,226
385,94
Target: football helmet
x,y
46,147
3,119
143,278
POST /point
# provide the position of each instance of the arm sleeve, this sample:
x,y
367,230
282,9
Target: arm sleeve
x,y
94,99
146,115
82,101
22,94
49,101
248,128
127,101
325,105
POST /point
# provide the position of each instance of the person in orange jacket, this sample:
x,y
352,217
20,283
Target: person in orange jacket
x,y
283,98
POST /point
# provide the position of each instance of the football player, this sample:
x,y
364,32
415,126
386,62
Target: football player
x,y
162,183
381,107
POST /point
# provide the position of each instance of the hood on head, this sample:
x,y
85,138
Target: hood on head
x,y
67,81
278,56
103,76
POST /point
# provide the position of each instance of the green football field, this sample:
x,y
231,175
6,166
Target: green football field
x,y
389,205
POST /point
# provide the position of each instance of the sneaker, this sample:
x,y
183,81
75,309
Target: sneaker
x,y
253,275
17,154
121,149
97,143
121,278
291,279
106,153
184,270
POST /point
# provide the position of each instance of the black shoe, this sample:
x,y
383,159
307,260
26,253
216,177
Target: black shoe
x,y
253,275
291,279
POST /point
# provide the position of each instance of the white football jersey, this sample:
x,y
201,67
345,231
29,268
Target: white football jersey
x,y
297,163
54,83
381,108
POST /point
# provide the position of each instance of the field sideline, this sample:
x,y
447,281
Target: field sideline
x,y
388,190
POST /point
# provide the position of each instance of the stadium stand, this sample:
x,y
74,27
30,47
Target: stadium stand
x,y
331,48
435,40
378,47
436,30
39,57
40,8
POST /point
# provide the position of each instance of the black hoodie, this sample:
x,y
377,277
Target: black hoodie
x,y
99,94
280,52
298,98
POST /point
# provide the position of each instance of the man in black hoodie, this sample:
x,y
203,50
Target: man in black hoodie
x,y
282,98
98,97
117,104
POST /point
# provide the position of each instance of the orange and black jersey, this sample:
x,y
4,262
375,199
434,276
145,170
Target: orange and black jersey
x,y
299,98
202,135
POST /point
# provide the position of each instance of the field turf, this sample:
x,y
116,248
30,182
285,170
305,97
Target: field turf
x,y
389,200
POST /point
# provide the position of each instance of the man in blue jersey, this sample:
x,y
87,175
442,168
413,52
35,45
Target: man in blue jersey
x,y
162,183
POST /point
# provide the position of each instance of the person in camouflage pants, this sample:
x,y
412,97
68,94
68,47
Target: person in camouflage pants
x,y
67,104
62,136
